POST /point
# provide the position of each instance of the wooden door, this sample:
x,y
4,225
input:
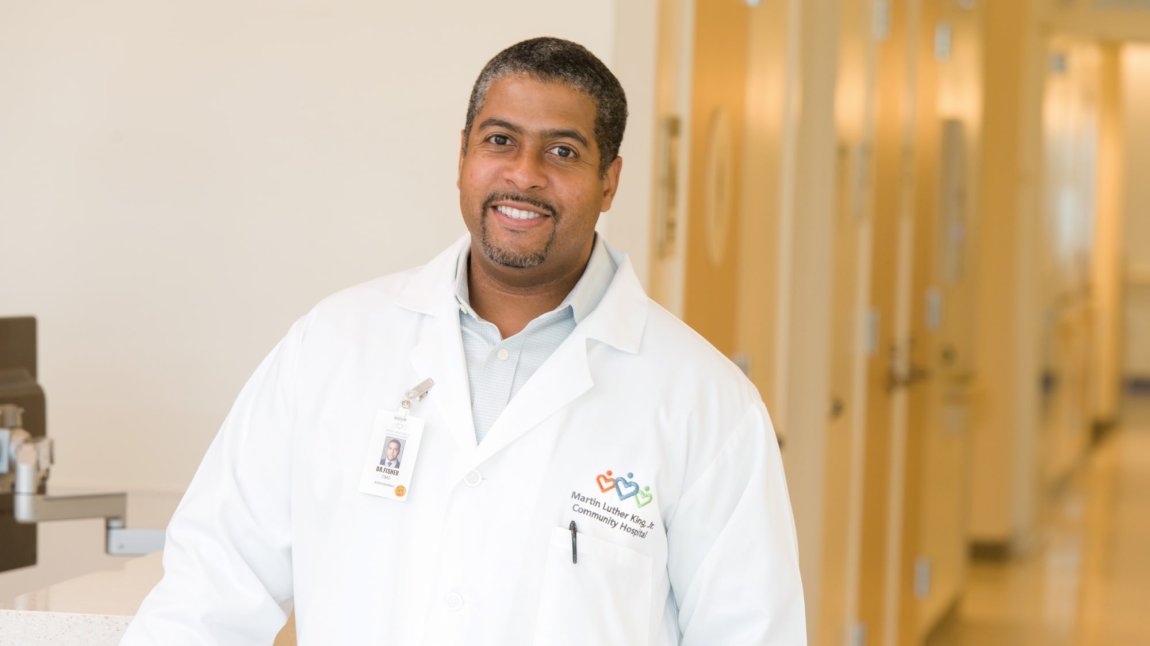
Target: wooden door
x,y
715,135
723,79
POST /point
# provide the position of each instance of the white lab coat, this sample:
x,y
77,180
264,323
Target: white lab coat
x,y
480,552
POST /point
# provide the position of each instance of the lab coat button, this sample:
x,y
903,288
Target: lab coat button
x,y
502,354
453,601
473,479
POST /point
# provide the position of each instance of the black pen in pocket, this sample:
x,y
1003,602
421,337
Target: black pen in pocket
x,y
574,546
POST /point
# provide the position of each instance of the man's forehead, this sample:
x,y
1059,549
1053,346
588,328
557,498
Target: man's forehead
x,y
530,84
522,102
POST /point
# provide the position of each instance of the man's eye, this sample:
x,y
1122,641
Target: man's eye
x,y
564,151
499,140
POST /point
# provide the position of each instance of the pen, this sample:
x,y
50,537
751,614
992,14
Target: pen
x,y
574,548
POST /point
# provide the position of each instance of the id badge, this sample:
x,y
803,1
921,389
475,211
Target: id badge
x,y
391,456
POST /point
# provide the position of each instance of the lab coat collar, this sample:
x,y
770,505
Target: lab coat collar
x,y
621,316
430,288
618,320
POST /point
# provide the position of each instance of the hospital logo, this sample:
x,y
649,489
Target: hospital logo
x,y
625,487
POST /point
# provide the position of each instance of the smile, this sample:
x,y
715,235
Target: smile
x,y
518,214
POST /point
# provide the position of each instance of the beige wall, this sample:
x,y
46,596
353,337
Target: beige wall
x,y
178,182
1136,91
1107,272
1004,446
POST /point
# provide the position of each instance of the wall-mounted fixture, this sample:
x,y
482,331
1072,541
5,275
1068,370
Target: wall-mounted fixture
x,y
26,459
667,195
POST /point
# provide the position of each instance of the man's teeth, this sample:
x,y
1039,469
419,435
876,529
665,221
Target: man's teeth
x,y
517,214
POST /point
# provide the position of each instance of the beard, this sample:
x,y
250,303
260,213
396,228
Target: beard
x,y
510,257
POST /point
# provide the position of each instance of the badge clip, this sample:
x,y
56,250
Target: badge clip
x,y
417,393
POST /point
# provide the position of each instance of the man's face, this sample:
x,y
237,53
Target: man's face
x,y
392,450
529,184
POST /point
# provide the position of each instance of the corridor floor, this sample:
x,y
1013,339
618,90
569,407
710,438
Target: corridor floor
x,y
1086,579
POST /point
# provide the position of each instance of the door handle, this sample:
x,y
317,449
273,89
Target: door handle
x,y
913,375
837,407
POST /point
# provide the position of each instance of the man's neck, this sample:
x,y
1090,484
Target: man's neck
x,y
511,306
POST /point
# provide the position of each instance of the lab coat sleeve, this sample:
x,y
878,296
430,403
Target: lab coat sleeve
x,y
732,551
227,557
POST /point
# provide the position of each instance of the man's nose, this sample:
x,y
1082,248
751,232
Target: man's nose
x,y
526,172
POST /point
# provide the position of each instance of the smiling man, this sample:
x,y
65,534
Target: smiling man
x,y
579,467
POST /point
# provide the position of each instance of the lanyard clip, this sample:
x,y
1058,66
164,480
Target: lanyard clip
x,y
417,393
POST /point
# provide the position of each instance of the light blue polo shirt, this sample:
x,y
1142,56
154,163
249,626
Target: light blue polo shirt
x,y
496,367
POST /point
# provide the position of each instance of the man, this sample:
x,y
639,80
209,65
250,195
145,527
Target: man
x,y
584,468
391,458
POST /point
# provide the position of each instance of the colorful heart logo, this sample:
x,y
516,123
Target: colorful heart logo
x,y
605,481
625,488
644,497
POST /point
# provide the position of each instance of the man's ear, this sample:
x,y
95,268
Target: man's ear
x,y
611,183
462,154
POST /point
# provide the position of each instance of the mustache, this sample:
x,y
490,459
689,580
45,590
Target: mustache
x,y
523,199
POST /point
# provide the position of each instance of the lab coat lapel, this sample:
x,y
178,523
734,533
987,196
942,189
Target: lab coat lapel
x,y
559,381
439,355
439,352
618,321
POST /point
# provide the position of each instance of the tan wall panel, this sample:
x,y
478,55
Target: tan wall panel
x,y
1005,362
934,525
671,155
1136,243
1108,273
854,124
806,275
1067,222
761,199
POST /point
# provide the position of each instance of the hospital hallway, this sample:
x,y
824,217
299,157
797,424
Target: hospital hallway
x,y
1086,580
920,229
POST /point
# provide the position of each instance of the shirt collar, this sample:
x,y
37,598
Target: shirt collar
x,y
583,297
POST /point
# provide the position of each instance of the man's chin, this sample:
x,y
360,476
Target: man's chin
x,y
513,258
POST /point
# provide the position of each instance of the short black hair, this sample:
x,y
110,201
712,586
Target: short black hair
x,y
561,61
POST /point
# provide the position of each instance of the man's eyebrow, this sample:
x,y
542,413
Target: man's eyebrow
x,y
563,133
554,133
500,123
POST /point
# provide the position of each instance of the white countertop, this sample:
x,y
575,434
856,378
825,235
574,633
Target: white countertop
x,y
90,610
59,629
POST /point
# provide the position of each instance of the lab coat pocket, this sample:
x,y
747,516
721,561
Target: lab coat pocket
x,y
604,598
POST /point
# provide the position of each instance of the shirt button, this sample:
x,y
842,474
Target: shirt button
x,y
473,479
502,354
453,601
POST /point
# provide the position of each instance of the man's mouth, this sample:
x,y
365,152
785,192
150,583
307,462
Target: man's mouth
x,y
510,206
518,214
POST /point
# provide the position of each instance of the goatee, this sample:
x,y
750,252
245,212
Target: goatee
x,y
508,257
